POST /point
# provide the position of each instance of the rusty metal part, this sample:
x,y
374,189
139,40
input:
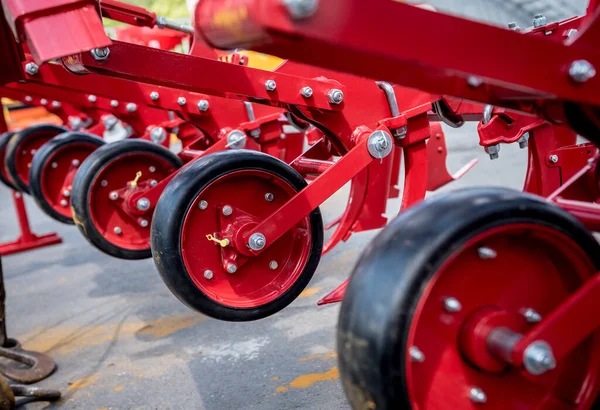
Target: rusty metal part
x,y
8,392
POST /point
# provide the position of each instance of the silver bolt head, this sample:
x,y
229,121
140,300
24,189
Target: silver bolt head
x,y
152,169
270,85
227,210
114,103
493,151
56,104
158,135
236,139
100,54
203,205
474,81
380,144
231,268
153,182
452,305
486,253
43,101
581,71
131,107
28,98
416,355
143,204
335,96
306,92
63,202
273,265
143,223
203,105
104,182
75,162
66,193
553,158
523,141
301,9
538,358
31,68
113,196
539,20
117,230
208,274
257,241
571,32
181,101
54,165
92,98
477,395
531,316
269,197
154,96
513,26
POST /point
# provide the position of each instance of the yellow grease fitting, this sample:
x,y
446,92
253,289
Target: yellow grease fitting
x,y
137,176
222,242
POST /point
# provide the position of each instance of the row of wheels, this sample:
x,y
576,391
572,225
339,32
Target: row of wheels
x,y
105,190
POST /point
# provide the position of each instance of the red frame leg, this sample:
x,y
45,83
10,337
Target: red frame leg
x,y
27,240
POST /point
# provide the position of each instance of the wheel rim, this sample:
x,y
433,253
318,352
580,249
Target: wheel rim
x,y
535,267
258,281
58,172
25,151
107,215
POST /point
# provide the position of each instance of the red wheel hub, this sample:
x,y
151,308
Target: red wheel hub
x,y
25,152
531,267
118,224
257,280
58,173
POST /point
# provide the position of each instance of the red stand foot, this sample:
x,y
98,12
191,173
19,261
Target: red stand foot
x,y
27,240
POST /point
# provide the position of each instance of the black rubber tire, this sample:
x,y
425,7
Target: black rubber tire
x,y
167,225
14,146
40,161
393,271
80,194
4,178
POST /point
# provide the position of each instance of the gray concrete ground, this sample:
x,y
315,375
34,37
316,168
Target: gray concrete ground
x,y
122,341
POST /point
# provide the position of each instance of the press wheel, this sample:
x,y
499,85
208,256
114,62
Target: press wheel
x,y
53,169
21,149
105,220
224,195
406,335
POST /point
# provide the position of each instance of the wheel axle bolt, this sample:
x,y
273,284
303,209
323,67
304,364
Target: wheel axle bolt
x,y
104,182
143,223
335,96
181,101
143,204
270,85
269,197
452,305
100,54
75,162
31,68
117,230
306,92
203,205
113,195
531,316
66,193
208,274
257,241
486,253
203,105
273,265
231,268
416,355
227,210
154,96
553,158
538,358
63,202
477,395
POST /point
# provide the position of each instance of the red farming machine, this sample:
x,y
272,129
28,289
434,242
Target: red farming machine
x,y
479,298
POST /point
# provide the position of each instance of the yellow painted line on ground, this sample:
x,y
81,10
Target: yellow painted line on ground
x,y
307,380
118,388
308,292
81,383
332,354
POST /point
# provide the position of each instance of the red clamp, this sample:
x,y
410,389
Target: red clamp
x,y
506,127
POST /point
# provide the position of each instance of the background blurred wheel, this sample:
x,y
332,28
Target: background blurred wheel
x,y
21,148
410,334
232,191
4,177
100,213
53,169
